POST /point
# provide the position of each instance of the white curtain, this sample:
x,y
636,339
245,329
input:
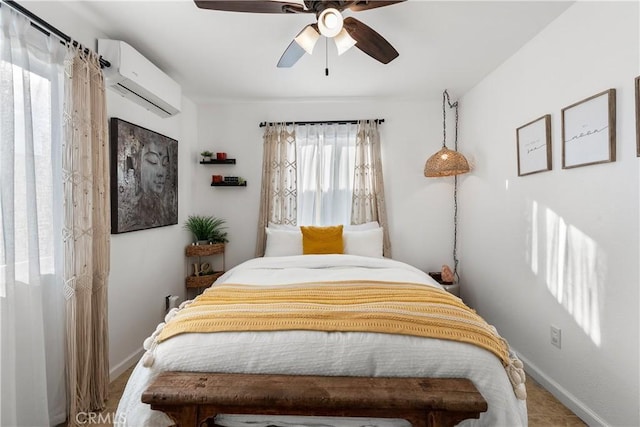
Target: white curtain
x,y
326,156
32,386
368,186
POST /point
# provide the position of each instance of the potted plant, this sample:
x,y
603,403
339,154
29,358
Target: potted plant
x,y
206,229
206,155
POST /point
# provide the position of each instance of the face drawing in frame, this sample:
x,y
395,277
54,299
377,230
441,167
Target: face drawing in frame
x,y
144,178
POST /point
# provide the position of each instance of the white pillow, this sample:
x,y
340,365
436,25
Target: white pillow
x,y
289,227
361,227
283,242
363,243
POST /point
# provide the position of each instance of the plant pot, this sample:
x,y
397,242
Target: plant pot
x,y
202,242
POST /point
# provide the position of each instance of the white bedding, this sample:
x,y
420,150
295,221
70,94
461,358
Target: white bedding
x,y
323,353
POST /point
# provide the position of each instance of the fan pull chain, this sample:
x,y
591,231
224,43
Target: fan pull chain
x,y
326,56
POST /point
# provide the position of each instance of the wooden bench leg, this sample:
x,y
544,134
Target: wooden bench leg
x,y
418,420
441,418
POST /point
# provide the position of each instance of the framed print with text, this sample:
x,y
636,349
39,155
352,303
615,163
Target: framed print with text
x,y
589,131
534,146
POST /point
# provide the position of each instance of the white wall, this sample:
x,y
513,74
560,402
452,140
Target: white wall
x,y
148,265
517,271
145,265
420,210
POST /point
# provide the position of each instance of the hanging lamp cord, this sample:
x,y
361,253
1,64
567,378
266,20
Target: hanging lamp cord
x,y
455,228
447,101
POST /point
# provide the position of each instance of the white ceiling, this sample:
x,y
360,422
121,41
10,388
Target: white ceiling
x,y
228,55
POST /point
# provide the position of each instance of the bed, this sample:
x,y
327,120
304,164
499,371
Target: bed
x,y
370,317
317,352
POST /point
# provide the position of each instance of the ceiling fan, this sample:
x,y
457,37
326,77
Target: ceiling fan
x,y
346,32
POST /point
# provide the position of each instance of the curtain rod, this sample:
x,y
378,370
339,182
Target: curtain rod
x,y
263,124
48,29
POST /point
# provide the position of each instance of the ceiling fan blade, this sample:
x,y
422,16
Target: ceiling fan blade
x,y
359,5
291,55
255,6
369,41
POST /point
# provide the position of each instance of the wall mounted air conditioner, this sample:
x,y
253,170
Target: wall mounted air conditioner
x,y
136,78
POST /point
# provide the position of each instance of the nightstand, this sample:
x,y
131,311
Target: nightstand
x,y
451,287
203,274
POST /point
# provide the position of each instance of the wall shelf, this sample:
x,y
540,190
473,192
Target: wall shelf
x,y
223,183
218,162
228,184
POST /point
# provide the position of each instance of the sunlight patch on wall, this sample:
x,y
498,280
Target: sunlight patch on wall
x,y
534,238
575,272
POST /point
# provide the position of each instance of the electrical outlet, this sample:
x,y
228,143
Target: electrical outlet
x,y
556,336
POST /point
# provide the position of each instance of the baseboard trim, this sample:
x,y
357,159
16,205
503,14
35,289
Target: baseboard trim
x,y
563,395
128,362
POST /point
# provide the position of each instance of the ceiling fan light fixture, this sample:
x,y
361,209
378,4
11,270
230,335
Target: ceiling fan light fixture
x,y
330,22
307,38
344,41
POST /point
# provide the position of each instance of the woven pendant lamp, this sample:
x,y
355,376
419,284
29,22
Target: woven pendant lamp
x,y
449,163
446,162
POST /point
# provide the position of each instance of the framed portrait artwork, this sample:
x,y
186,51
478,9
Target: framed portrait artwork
x,y
589,131
144,178
534,146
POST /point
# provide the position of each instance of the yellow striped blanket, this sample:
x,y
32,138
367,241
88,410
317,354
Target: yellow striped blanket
x,y
353,306
356,306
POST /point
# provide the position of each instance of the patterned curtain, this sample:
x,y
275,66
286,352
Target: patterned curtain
x,y
85,165
368,186
279,188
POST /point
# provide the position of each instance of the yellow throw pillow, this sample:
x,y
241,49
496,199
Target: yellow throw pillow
x,y
322,240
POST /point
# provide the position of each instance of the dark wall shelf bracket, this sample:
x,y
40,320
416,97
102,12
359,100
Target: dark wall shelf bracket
x,y
225,184
218,162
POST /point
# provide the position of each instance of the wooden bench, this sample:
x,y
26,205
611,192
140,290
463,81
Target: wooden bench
x,y
191,398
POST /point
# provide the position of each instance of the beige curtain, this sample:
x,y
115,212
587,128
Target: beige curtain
x,y
368,202
86,232
279,175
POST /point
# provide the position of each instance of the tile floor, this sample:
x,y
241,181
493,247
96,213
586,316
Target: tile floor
x,y
544,410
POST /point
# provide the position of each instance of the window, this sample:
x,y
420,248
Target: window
x,y
31,176
326,161
321,174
